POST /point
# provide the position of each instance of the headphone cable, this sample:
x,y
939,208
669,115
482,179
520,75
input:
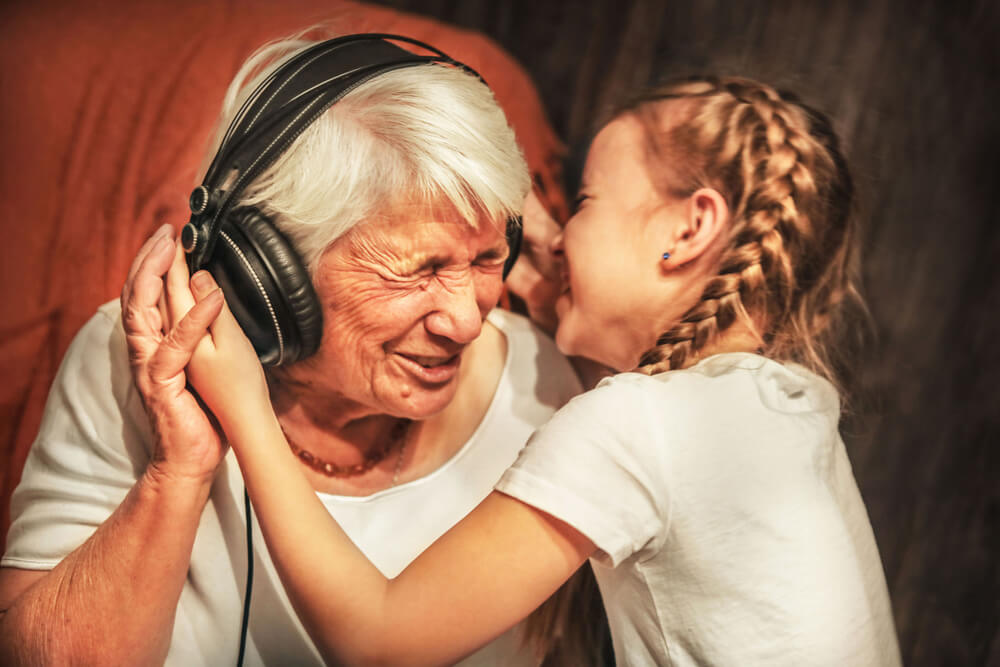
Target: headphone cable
x,y
249,587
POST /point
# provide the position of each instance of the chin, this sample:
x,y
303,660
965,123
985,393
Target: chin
x,y
575,347
569,344
423,403
562,338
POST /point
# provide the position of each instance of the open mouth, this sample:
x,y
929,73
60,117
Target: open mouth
x,y
431,369
431,362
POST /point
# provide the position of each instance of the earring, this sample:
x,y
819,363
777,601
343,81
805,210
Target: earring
x,y
666,255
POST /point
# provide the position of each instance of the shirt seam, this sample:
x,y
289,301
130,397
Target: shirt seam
x,y
640,567
28,563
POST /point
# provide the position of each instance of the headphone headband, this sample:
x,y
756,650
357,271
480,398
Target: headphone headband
x,y
267,287
279,110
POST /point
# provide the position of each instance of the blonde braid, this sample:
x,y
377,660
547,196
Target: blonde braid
x,y
777,164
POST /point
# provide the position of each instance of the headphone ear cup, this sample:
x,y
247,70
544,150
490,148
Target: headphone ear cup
x,y
267,288
514,235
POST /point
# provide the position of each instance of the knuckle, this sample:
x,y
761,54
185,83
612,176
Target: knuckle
x,y
532,281
184,333
169,346
130,314
136,357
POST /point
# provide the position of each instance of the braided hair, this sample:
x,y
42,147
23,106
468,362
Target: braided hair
x,y
786,269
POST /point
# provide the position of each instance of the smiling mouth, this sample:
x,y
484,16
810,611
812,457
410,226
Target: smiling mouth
x,y
430,362
433,370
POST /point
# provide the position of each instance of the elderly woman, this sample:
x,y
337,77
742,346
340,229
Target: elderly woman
x,y
128,543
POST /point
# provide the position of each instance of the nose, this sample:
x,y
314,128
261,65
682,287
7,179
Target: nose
x,y
457,315
556,247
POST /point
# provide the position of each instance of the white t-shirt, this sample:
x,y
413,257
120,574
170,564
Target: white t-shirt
x,y
95,441
729,525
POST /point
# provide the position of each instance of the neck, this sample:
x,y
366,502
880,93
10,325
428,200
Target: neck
x,y
335,430
345,432
739,337
296,401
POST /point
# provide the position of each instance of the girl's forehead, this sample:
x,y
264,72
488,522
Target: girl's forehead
x,y
616,155
619,142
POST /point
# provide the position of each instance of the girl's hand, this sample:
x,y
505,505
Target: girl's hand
x,y
535,276
224,368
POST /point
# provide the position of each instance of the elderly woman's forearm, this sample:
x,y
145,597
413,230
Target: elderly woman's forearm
x,y
113,599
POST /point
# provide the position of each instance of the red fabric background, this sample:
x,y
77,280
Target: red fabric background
x,y
104,116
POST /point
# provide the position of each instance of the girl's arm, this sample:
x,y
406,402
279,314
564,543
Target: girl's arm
x,y
487,573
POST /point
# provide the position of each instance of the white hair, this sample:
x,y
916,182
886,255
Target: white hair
x,y
420,134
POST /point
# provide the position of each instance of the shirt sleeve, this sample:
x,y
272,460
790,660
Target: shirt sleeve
x,y
90,450
600,466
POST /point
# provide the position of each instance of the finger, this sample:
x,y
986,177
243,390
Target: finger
x,y
523,276
161,308
539,231
225,325
176,350
139,306
544,261
539,226
164,230
178,294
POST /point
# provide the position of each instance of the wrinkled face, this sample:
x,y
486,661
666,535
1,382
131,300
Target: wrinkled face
x,y
402,297
611,307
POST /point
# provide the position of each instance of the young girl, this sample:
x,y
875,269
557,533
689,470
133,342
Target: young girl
x,y
708,263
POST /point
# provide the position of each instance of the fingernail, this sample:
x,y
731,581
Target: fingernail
x,y
165,229
203,281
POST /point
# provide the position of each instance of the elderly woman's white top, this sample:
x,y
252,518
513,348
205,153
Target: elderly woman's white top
x,y
95,440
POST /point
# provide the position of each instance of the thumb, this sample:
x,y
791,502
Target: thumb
x,y
179,345
224,327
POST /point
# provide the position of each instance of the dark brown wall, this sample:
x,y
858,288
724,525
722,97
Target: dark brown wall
x,y
911,86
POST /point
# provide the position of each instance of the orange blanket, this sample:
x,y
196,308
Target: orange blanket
x,y
104,115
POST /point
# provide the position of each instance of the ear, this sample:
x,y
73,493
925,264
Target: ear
x,y
704,221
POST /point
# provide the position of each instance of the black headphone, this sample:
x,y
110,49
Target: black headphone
x,y
265,282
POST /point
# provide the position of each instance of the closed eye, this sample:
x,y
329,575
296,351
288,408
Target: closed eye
x,y
427,268
491,257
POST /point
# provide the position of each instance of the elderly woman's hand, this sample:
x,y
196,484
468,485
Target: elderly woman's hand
x,y
163,326
535,276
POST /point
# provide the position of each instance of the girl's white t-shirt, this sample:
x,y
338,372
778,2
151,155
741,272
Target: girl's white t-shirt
x,y
729,525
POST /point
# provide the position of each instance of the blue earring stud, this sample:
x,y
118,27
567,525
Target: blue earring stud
x,y
666,255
